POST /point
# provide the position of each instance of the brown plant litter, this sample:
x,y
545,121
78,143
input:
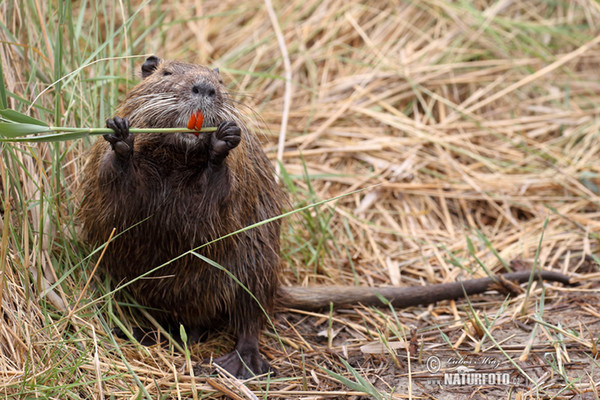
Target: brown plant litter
x,y
472,129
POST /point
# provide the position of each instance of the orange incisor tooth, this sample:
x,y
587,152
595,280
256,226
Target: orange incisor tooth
x,y
192,122
199,120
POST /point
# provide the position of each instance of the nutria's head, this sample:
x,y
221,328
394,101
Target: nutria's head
x,y
171,91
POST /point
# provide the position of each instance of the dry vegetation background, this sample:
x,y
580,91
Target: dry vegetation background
x,y
472,126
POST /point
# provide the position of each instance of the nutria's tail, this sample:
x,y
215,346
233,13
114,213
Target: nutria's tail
x,y
322,297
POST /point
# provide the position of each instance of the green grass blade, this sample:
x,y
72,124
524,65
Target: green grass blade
x,y
13,116
3,99
13,131
361,384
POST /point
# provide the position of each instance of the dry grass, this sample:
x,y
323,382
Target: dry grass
x,y
472,127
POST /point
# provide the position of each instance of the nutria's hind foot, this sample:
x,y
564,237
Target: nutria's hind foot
x,y
245,361
227,137
121,140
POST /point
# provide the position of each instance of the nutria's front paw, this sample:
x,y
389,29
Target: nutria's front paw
x,y
227,137
121,140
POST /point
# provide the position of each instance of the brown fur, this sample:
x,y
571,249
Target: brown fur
x,y
180,201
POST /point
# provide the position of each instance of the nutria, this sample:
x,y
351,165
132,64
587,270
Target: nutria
x,y
169,193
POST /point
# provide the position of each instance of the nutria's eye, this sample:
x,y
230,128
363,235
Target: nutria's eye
x,y
167,73
221,81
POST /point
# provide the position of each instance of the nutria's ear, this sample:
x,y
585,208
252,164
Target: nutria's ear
x,y
216,70
149,66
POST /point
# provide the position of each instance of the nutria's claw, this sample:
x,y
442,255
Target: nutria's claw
x,y
121,141
227,137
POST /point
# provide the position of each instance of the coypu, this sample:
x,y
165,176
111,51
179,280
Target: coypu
x,y
176,192
169,193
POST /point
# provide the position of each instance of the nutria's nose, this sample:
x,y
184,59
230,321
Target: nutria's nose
x,y
204,89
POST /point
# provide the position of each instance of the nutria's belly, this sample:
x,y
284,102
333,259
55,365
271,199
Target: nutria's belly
x,y
187,291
